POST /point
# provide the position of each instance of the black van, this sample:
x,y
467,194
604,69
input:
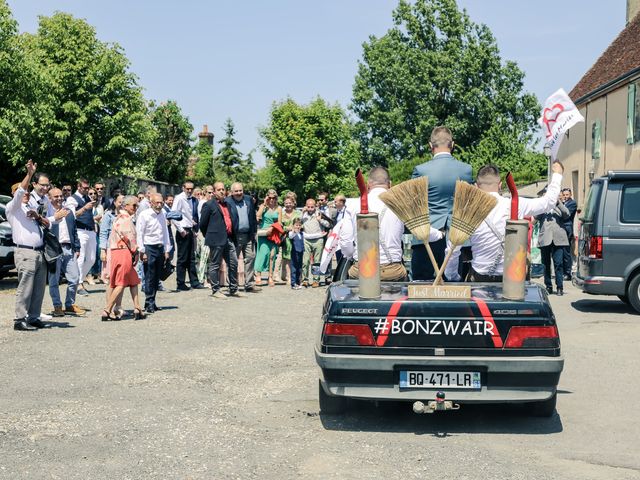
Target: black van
x,y
609,241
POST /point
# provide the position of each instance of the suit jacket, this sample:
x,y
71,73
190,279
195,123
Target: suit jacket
x,y
572,206
73,231
251,212
443,170
551,227
212,225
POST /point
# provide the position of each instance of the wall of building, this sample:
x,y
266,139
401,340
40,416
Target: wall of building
x,y
615,154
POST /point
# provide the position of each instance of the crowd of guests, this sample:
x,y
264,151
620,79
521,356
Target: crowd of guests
x,y
124,241
225,240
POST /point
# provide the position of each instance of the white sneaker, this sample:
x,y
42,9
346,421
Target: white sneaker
x,y
44,317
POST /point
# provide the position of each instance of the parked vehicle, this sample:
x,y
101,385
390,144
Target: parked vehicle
x,y
6,244
609,239
438,354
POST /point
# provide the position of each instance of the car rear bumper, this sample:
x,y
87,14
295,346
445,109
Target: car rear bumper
x,y
600,285
504,379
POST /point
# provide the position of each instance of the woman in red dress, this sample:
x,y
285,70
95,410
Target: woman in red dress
x,y
124,256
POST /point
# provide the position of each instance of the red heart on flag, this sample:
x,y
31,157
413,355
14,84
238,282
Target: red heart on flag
x,y
550,115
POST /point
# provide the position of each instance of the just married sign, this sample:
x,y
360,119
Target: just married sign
x,y
558,115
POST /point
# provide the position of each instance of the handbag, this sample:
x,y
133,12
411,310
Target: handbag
x,y
167,270
52,247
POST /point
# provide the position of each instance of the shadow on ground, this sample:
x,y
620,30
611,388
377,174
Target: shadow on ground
x,y
588,305
398,417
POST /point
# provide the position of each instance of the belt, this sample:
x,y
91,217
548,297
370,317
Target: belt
x,y
87,229
40,248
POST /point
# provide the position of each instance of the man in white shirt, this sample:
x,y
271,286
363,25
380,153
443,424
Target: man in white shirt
x,y
67,234
186,231
145,203
154,246
82,207
391,230
26,231
487,242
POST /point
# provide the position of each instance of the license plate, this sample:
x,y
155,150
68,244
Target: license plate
x,y
430,379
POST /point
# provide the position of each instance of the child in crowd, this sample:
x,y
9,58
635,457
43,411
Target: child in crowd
x,y
297,251
314,226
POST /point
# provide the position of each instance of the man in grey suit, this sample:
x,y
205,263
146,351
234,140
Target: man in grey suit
x,y
552,240
443,170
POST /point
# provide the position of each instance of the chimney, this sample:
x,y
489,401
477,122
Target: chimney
x,y
633,6
206,136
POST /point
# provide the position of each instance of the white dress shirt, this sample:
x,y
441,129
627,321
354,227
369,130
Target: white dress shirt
x,y
182,204
485,245
391,230
151,229
36,200
63,231
24,230
71,203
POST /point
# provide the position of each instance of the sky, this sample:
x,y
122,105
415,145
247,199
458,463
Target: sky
x,y
233,59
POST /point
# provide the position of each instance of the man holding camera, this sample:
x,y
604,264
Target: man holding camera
x,y
26,228
82,207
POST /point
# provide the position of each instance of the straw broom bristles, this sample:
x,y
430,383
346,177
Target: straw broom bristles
x,y
470,207
409,200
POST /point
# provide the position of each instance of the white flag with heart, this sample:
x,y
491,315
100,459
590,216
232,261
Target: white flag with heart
x,y
558,115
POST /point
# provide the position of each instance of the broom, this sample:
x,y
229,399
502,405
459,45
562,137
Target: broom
x,y
470,207
410,202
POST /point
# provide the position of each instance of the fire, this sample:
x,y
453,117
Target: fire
x,y
369,263
517,269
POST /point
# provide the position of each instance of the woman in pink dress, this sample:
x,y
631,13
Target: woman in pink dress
x,y
124,256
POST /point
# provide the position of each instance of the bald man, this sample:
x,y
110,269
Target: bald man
x,y
154,246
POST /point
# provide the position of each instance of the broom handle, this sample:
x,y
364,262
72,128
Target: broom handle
x,y
438,279
431,256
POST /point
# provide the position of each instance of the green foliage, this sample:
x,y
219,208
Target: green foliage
x,y
92,117
203,171
230,166
168,150
435,67
309,148
401,171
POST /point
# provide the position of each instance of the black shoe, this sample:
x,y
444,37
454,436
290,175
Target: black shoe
x,y
549,290
559,292
252,289
182,288
567,278
24,326
199,286
149,311
38,323
138,315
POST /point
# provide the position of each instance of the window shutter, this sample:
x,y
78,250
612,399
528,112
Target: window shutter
x,y
631,112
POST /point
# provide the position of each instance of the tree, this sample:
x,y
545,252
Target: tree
x,y
19,90
229,162
96,122
310,148
435,67
203,170
169,148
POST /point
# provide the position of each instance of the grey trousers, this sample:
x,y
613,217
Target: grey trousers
x,y
246,244
32,278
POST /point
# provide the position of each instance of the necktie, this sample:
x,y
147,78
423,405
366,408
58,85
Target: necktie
x,y
194,214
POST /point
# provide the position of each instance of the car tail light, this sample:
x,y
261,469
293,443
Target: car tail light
x,y
348,334
532,337
595,247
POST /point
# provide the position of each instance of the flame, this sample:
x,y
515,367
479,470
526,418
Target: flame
x,y
369,263
517,269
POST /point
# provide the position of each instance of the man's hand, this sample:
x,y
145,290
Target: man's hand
x,y
31,167
166,256
557,167
33,215
143,257
60,214
103,255
183,233
78,256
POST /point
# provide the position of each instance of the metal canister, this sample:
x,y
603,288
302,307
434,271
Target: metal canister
x,y
368,255
515,259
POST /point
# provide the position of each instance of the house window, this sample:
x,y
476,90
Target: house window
x,y
596,142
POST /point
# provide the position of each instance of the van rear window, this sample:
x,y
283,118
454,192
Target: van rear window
x,y
630,211
592,202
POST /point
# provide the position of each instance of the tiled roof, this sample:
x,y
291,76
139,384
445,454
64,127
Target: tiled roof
x,y
622,56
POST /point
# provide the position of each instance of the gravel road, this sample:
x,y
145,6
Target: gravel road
x,y
209,389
